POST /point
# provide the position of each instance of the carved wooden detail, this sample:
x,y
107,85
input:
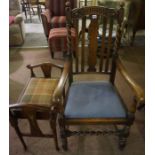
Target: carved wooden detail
x,y
100,23
106,17
96,133
95,10
93,33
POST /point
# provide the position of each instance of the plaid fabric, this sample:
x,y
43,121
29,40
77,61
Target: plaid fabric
x,y
58,39
58,21
39,92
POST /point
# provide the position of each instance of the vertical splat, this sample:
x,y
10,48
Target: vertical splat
x,y
109,44
83,43
46,69
34,128
76,26
92,34
102,50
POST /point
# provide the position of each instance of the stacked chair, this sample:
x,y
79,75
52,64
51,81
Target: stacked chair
x,y
54,24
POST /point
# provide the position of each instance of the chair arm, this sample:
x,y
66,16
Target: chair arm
x,y
46,68
57,95
18,19
44,64
139,92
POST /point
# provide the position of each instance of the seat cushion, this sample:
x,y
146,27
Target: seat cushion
x,y
58,39
94,100
39,92
58,21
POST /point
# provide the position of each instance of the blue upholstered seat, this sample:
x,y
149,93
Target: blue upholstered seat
x,y
94,100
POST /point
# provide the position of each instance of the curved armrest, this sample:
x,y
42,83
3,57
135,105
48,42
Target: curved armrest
x,y
57,95
45,64
46,68
139,93
18,19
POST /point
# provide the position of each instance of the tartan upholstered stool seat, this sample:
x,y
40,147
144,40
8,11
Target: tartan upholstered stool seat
x,y
39,92
36,102
58,40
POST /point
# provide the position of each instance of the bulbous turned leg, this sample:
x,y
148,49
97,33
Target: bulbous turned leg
x,y
63,133
123,135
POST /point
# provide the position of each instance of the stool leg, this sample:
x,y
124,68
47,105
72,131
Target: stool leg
x,y
53,127
51,51
14,124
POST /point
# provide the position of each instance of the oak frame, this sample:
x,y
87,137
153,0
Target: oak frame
x,y
139,97
35,112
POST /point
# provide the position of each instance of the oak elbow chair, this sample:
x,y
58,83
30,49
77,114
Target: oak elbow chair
x,y
35,103
95,102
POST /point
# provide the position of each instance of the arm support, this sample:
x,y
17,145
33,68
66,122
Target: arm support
x,y
57,95
45,63
139,93
46,68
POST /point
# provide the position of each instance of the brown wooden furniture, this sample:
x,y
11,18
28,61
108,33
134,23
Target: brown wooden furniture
x,y
35,103
95,102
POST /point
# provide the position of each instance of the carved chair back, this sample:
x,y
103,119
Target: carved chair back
x,y
98,49
87,102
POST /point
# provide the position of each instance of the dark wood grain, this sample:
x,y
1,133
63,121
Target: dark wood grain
x,y
33,113
107,63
